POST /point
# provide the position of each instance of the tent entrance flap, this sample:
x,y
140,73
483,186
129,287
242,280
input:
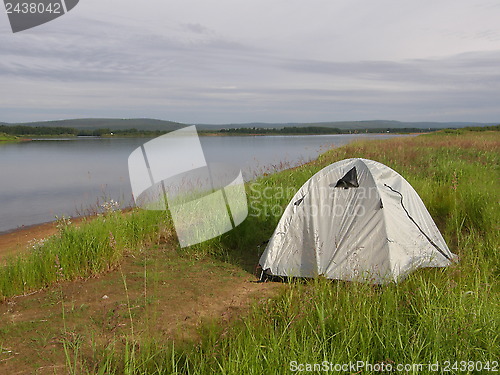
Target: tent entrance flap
x,y
350,180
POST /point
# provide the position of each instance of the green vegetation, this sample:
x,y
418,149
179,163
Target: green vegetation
x,y
147,124
44,131
473,129
105,123
294,130
48,131
133,132
449,314
349,125
36,130
283,131
8,138
87,250
435,315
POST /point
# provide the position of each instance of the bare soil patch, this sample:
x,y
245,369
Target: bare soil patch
x,y
158,292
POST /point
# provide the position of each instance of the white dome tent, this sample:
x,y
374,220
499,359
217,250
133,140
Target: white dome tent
x,y
355,220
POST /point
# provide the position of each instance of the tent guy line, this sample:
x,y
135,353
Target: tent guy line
x,y
418,226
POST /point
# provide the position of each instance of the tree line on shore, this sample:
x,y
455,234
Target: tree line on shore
x,y
22,130
318,130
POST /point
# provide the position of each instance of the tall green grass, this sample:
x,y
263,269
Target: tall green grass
x,y
435,315
79,251
450,314
8,138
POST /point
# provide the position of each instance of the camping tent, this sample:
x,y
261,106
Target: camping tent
x,y
355,220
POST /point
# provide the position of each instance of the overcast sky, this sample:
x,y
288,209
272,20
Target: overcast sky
x,y
230,61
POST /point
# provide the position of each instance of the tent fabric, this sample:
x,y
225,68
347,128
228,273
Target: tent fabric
x,y
370,227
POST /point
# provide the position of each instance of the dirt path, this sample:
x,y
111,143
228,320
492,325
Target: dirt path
x,y
156,293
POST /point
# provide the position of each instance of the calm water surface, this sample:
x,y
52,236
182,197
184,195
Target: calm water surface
x,y
45,178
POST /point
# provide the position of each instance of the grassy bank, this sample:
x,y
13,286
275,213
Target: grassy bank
x,y
95,246
435,315
8,138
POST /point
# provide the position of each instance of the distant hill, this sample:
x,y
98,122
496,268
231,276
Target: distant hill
x,y
162,125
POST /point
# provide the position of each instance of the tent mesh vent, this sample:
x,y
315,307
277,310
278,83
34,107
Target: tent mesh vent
x,y
350,180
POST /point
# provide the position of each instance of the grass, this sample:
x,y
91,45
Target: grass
x,y
83,251
435,315
8,138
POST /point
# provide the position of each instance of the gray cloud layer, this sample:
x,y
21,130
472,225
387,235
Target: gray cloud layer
x,y
193,72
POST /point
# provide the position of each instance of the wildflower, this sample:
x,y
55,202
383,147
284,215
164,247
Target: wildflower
x,y
110,206
62,222
37,244
454,181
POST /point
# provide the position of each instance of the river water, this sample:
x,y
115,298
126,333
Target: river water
x,y
42,179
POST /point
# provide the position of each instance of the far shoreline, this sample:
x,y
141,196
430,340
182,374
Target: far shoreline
x,y
201,134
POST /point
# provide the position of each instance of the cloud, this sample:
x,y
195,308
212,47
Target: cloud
x,y
258,61
463,70
197,28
